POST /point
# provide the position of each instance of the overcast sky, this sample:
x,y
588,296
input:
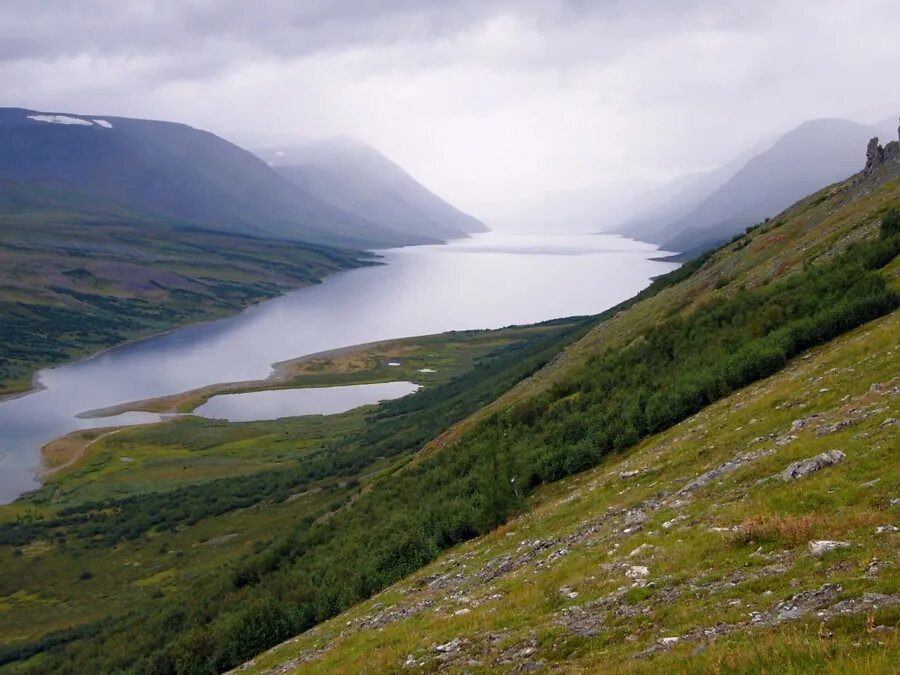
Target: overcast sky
x,y
489,103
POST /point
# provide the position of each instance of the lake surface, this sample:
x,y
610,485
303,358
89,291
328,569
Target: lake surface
x,y
278,403
487,281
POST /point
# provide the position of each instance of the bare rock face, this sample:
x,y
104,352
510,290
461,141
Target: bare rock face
x,y
877,156
812,464
874,156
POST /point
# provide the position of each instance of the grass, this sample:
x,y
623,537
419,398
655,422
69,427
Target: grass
x,y
150,458
708,569
709,577
426,360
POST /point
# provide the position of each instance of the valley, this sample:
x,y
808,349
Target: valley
x,y
561,454
534,278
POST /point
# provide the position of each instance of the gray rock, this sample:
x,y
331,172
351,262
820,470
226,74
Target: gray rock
x,y
797,425
635,517
821,547
807,466
874,156
803,603
733,464
449,647
642,550
837,426
637,572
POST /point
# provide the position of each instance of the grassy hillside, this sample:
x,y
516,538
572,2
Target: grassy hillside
x,y
685,553
70,286
696,384
751,307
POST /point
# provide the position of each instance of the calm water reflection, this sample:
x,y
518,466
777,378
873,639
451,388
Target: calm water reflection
x,y
488,281
275,404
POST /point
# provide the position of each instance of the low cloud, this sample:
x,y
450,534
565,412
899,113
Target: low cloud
x,y
489,103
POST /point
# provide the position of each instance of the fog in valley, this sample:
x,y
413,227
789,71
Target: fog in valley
x,y
538,115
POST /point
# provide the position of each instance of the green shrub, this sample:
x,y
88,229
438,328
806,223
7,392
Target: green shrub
x,y
890,224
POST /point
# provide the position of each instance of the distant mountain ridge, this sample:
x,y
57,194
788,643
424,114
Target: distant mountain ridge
x,y
174,172
347,173
701,213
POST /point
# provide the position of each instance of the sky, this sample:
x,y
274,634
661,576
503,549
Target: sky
x,y
498,106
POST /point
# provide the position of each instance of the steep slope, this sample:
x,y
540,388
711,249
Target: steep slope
x,y
664,383
169,170
804,160
357,178
689,553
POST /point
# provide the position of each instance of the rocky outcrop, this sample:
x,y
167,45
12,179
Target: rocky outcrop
x,y
874,156
877,155
812,464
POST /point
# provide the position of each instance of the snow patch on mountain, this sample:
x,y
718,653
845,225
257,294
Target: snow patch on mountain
x,y
60,119
68,119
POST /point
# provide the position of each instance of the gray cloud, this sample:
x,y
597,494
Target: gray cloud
x,y
489,102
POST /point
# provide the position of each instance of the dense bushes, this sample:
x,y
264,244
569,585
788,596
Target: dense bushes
x,y
890,224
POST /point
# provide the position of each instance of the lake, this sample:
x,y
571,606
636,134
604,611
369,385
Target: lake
x,y
490,280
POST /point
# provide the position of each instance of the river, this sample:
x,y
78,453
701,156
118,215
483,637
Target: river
x,y
490,280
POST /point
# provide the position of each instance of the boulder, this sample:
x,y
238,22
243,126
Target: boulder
x,y
637,572
823,546
812,464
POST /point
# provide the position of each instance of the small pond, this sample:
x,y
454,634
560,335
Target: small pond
x,y
278,403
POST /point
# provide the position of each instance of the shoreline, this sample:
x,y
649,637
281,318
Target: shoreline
x,y
36,386
33,388
74,454
67,450
282,373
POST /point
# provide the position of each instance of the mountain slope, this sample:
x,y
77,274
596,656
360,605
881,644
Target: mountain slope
x,y
686,554
357,178
570,586
655,210
172,171
804,160
696,212
71,285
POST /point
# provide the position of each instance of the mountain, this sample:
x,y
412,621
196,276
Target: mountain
x,y
699,213
357,178
171,171
653,211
